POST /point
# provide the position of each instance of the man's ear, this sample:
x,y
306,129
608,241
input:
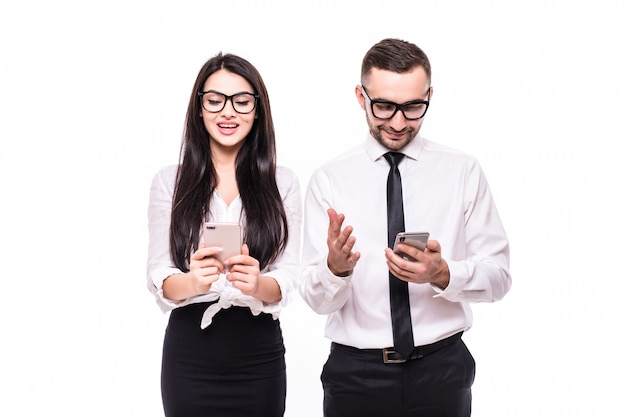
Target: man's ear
x,y
359,95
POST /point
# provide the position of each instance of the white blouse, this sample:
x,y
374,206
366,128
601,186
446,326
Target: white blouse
x,y
285,269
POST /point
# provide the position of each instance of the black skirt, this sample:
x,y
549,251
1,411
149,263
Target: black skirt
x,y
234,367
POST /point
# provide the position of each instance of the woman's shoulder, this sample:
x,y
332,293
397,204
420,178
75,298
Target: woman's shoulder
x,y
165,177
286,178
284,173
167,172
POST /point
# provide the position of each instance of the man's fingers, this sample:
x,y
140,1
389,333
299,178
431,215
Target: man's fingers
x,y
433,246
347,244
334,223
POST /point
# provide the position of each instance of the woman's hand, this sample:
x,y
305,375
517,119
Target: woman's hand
x,y
244,272
205,268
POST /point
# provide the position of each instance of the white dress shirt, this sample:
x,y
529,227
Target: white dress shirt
x,y
446,194
285,269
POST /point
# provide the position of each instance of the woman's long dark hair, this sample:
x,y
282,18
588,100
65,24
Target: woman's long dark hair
x,y
265,230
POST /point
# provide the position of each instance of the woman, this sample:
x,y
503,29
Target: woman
x,y
223,353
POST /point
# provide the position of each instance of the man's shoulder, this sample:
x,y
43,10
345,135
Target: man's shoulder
x,y
347,158
439,150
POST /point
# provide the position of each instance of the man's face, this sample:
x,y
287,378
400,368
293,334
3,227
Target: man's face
x,y
387,86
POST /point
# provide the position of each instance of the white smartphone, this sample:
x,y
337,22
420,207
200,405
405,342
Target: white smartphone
x,y
224,235
416,239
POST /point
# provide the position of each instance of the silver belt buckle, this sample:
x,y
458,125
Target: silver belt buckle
x,y
389,351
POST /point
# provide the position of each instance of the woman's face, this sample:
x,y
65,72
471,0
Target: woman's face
x,y
228,127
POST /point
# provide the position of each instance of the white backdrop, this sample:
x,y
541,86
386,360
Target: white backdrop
x,y
93,98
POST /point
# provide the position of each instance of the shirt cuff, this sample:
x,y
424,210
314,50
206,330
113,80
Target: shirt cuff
x,y
157,276
458,274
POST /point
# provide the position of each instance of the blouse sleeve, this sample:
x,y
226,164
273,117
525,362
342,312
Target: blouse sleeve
x,y
160,265
286,268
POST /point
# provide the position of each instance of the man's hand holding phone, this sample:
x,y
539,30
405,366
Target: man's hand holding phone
x,y
417,259
409,240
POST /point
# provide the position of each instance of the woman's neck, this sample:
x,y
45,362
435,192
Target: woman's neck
x,y
225,167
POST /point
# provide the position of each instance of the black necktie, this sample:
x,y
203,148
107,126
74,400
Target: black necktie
x,y
398,289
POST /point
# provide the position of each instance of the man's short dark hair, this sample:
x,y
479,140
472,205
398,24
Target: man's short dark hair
x,y
394,55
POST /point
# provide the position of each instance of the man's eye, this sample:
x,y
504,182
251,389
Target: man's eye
x,y
414,107
385,107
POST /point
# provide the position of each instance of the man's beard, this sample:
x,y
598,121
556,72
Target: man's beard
x,y
393,145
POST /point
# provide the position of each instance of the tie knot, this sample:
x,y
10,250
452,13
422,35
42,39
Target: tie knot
x,y
394,158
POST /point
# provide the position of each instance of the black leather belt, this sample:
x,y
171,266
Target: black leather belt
x,y
389,355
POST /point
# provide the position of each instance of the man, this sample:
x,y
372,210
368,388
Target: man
x,y
351,272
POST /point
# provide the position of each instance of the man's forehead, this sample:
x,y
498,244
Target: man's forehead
x,y
398,87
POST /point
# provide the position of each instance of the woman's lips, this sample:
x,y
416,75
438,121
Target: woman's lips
x,y
227,128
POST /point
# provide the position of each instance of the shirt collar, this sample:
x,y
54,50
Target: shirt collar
x,y
376,151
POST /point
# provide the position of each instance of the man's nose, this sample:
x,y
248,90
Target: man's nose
x,y
398,121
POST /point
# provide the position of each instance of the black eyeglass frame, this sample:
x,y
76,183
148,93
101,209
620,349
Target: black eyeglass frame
x,y
400,107
226,98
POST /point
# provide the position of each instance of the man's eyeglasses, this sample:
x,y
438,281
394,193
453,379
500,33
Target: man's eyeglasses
x,y
214,101
385,110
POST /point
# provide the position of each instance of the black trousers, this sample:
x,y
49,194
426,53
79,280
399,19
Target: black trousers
x,y
235,367
358,383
